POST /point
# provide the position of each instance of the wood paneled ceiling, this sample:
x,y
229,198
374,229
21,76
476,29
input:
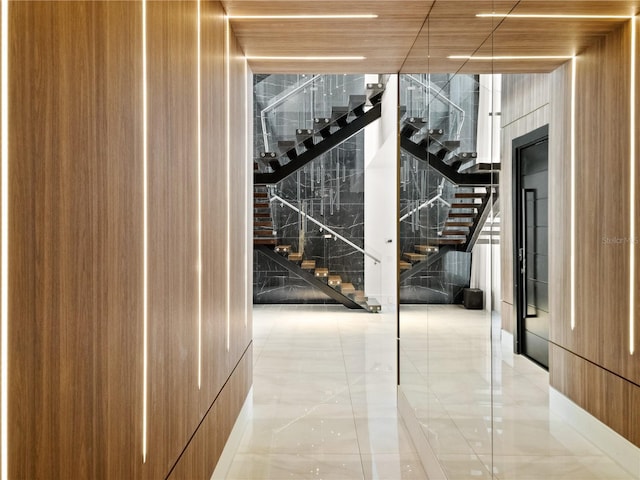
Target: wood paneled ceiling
x,y
419,35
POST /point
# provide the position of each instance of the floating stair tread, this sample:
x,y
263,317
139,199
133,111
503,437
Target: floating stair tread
x,y
373,305
261,205
451,241
470,195
262,214
347,288
404,265
322,272
359,296
263,223
263,233
265,241
454,233
426,249
465,205
308,265
458,224
295,257
415,257
461,215
283,248
260,195
335,280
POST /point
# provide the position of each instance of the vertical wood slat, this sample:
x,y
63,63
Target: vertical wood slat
x,y
173,242
75,176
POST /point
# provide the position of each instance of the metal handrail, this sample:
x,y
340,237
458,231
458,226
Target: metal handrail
x,y
446,100
426,204
321,225
263,116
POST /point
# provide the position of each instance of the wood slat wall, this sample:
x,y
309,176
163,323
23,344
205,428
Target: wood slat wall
x,y
76,238
591,364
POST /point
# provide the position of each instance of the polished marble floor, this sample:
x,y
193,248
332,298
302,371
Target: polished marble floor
x,y
324,401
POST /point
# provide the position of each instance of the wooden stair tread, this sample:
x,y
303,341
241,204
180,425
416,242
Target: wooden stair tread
x,y
308,264
359,296
260,195
415,257
283,248
322,272
265,241
451,241
465,205
426,248
335,280
461,215
263,223
470,195
458,224
454,232
295,257
263,233
404,265
262,215
347,288
261,205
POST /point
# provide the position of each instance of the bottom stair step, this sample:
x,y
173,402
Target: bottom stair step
x,y
373,305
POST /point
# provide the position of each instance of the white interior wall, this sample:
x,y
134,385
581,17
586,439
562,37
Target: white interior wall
x,y
380,198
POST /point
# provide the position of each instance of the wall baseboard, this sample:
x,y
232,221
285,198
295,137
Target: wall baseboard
x,y
625,453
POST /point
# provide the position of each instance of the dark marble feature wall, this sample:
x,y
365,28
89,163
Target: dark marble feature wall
x,y
330,189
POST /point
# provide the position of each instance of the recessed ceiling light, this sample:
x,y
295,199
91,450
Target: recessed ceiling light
x,y
311,58
512,57
527,15
301,17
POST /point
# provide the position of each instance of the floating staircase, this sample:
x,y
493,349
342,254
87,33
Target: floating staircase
x,y
263,230
320,277
326,134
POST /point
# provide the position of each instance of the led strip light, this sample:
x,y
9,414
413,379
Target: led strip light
x,y
145,241
247,190
632,194
228,154
572,256
199,108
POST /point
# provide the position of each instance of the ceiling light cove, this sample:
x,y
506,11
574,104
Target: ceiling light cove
x,y
511,57
302,17
305,58
558,15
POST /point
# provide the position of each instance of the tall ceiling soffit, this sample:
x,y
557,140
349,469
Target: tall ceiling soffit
x,y
418,35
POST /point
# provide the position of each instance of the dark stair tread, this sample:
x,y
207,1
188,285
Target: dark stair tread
x,y
450,241
339,115
470,195
305,136
260,195
461,215
455,232
322,125
265,241
357,103
374,92
458,224
465,205
263,233
263,223
262,214
480,167
261,205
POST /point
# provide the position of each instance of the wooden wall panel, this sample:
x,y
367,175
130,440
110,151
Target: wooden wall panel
x,y
173,226
239,198
591,364
76,239
525,107
215,366
76,232
560,205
